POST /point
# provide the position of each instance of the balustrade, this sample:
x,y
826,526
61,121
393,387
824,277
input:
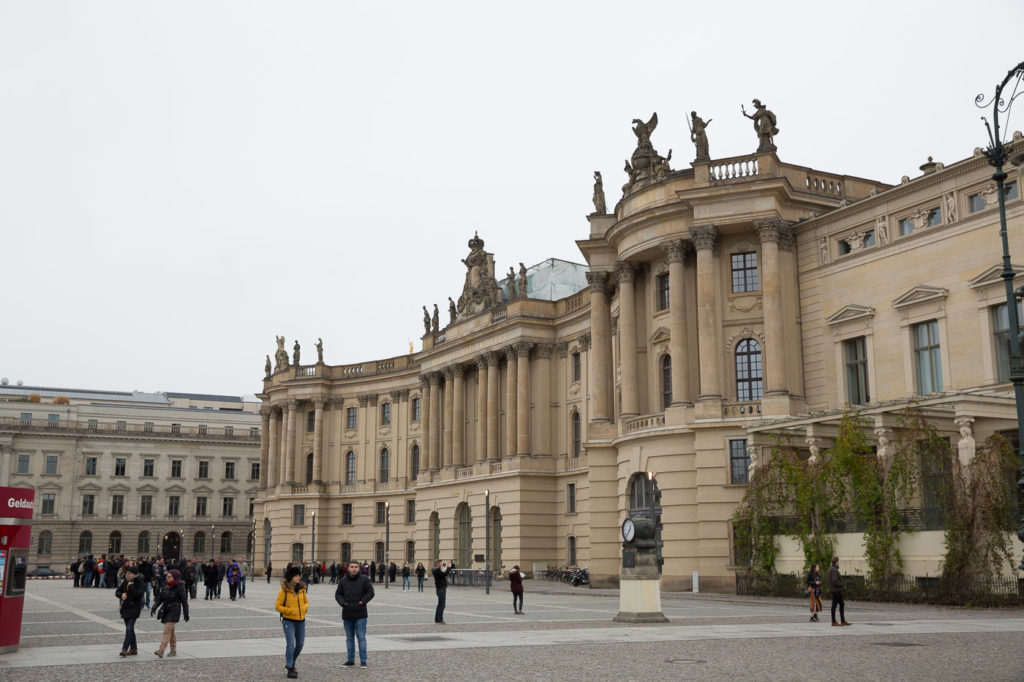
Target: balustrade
x,y
646,422
741,409
733,169
126,428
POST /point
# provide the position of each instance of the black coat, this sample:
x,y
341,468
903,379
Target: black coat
x,y
350,592
210,575
172,603
136,591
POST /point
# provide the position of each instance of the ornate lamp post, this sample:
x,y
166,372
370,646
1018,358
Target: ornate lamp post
x,y
212,536
998,154
387,543
487,541
312,549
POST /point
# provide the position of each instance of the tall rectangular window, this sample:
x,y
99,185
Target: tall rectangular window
x,y
24,462
570,498
310,421
571,549
1001,331
117,505
346,514
576,366
744,272
122,425
229,471
381,513
385,414
147,427
410,511
147,468
88,505
90,466
146,505
415,409
855,351
52,420
927,357
120,466
204,469
49,504
200,506
51,465
175,468
174,505
739,461
298,514
227,506
661,285
203,429
350,418
254,471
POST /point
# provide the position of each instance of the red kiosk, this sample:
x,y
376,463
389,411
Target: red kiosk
x,y
16,507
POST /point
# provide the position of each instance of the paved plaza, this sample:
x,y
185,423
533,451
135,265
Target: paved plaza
x,y
566,634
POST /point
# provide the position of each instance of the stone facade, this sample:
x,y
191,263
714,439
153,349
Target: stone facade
x,y
131,473
717,302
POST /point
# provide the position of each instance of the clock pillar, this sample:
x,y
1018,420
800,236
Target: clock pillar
x,y
639,580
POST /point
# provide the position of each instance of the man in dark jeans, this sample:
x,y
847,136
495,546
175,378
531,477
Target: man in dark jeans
x,y
835,583
441,587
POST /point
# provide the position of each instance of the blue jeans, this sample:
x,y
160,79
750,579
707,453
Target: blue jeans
x,y
148,590
129,635
294,638
211,592
355,629
439,613
406,585
419,583
242,586
88,579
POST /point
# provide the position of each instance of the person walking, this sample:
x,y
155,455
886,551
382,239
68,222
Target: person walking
x,y
353,594
515,579
373,571
130,594
835,584
441,574
292,604
243,567
234,576
222,570
146,571
405,577
210,580
171,605
270,569
420,574
814,591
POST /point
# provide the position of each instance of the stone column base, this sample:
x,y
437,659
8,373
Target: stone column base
x,y
640,600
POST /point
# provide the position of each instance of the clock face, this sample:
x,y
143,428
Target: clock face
x,y
628,530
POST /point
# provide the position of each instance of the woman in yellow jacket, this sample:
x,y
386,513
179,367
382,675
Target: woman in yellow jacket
x,y
292,605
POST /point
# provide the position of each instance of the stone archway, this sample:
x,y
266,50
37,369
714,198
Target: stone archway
x,y
171,547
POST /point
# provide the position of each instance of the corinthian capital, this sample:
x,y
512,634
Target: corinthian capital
x,y
704,236
523,349
624,271
598,281
675,250
775,230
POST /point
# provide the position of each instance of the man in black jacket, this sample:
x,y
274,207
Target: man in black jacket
x,y
353,593
130,593
441,576
835,584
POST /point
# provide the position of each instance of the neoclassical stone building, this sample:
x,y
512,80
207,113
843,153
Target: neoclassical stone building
x,y
720,304
130,472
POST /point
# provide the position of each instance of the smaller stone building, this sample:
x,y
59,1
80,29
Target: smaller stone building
x,y
131,473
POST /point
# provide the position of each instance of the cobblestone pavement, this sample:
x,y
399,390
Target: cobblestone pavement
x,y
567,633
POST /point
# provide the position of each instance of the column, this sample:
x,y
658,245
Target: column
x,y
449,416
481,409
434,449
523,397
459,416
543,395
493,384
293,408
5,465
274,456
318,437
398,397
774,352
264,446
704,238
675,251
627,337
511,398
600,356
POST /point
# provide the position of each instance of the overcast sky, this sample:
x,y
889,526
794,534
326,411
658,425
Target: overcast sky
x,y
182,181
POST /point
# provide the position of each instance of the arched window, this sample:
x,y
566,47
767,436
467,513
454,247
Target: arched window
x,y
114,543
465,519
225,544
749,385
640,490
199,544
385,465
346,553
415,455
309,468
45,542
577,435
85,542
570,545
350,468
298,551
144,542
666,381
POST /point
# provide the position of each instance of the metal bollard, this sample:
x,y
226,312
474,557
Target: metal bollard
x,y
696,582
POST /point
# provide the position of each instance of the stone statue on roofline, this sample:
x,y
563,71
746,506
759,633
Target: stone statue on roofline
x,y
764,125
480,291
295,352
522,280
426,321
435,320
646,165
452,311
319,351
281,356
599,204
267,370
510,282
699,136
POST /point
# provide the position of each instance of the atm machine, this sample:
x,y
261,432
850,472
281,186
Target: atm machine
x,y
16,507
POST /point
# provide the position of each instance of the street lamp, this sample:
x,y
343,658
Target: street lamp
x,y
487,541
252,552
997,154
387,543
212,536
